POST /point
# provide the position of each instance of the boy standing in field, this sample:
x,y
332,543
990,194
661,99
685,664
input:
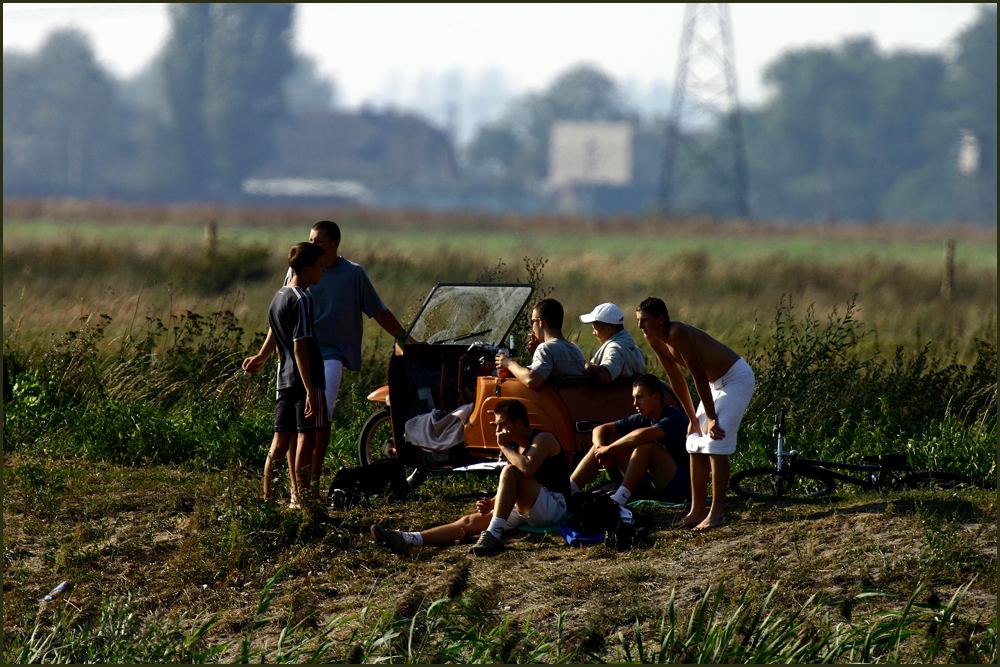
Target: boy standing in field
x,y
300,406
343,294
725,384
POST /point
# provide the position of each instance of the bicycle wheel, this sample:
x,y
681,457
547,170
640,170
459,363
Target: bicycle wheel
x,y
769,484
377,442
935,479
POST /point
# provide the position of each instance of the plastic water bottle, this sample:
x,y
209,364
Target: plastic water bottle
x,y
503,372
56,592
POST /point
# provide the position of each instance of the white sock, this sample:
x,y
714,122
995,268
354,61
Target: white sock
x,y
573,488
416,539
496,527
621,495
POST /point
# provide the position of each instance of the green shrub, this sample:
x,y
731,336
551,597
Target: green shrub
x,y
175,392
843,404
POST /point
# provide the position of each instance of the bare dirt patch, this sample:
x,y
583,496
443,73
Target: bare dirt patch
x,y
187,545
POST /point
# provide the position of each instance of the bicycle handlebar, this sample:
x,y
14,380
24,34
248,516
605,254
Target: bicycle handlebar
x,y
779,423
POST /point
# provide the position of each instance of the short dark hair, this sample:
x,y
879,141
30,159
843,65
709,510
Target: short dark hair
x,y
650,383
654,306
330,228
551,311
303,255
512,410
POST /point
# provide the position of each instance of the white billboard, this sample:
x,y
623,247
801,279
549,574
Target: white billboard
x,y
590,153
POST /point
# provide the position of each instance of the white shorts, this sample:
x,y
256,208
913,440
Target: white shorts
x,y
333,370
549,509
731,394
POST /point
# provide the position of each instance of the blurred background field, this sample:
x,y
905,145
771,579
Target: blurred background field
x,y
139,320
727,278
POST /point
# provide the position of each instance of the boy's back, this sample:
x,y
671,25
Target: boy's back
x,y
290,317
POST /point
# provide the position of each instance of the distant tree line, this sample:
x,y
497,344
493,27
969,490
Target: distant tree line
x,y
848,133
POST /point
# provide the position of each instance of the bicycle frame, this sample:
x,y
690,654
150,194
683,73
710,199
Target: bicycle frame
x,y
873,482
798,477
790,461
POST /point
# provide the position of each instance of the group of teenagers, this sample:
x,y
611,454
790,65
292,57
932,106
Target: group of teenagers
x,y
666,449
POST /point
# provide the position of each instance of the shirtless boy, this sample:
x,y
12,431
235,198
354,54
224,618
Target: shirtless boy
x,y
725,384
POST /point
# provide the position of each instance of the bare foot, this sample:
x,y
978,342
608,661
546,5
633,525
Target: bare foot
x,y
690,520
710,522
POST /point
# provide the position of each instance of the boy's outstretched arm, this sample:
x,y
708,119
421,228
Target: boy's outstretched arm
x,y
256,362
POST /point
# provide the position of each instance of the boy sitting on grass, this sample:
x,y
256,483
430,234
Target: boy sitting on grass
x,y
300,406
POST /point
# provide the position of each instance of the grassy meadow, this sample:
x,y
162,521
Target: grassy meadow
x,y
133,444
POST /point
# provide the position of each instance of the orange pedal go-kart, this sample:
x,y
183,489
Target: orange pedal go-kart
x,y
448,383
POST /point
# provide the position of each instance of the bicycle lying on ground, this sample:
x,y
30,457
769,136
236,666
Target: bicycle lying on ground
x,y
796,477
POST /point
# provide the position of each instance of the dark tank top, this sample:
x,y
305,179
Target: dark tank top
x,y
554,473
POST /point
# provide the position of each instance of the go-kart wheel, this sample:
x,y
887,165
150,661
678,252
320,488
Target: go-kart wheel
x,y
377,443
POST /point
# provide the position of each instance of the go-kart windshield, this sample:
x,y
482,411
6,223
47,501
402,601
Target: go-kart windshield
x,y
465,313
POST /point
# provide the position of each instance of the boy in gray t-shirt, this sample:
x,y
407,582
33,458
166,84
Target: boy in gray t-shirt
x,y
343,294
554,357
300,404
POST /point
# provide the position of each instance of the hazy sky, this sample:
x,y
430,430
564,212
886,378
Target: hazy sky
x,y
373,51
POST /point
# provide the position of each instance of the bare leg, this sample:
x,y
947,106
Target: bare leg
x,y
720,483
293,473
589,465
303,465
470,524
279,448
586,469
652,460
699,489
322,440
514,488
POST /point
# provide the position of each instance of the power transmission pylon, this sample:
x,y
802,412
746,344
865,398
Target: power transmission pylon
x,y
705,96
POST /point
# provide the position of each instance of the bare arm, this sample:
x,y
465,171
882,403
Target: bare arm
x,y
705,393
677,383
600,373
531,379
256,362
302,361
637,437
388,321
544,446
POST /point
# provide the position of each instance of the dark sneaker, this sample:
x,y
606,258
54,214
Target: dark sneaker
x,y
487,545
393,539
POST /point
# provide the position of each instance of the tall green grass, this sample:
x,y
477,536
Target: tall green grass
x,y
844,404
460,628
174,391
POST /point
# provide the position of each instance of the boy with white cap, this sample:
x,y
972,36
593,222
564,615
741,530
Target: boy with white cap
x,y
618,356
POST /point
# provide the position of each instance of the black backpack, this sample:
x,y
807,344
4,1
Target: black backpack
x,y
592,512
351,486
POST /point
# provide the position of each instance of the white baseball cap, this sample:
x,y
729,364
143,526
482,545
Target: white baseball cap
x,y
608,313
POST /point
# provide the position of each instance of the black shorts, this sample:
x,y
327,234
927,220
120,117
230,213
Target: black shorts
x,y
290,412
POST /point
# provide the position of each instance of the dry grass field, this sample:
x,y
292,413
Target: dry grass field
x,y
133,446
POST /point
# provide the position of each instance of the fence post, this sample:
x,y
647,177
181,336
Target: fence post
x,y
948,280
211,239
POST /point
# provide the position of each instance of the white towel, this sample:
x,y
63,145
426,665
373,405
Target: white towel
x,y
436,430
731,395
